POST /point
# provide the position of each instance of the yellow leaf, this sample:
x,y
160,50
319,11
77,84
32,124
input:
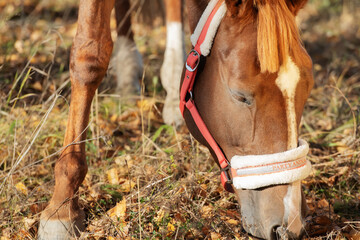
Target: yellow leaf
x,y
125,161
207,211
112,176
114,118
159,215
170,227
119,211
37,86
232,221
215,236
22,188
28,222
342,147
126,185
145,104
110,238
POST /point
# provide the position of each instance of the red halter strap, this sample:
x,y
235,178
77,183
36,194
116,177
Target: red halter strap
x,y
191,65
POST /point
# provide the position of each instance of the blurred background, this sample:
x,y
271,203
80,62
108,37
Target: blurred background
x,y
147,179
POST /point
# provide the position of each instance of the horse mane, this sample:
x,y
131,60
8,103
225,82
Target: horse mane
x,y
277,31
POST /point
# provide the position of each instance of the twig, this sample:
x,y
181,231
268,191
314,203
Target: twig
x,y
139,206
329,163
58,91
57,152
97,143
155,145
27,148
351,108
151,184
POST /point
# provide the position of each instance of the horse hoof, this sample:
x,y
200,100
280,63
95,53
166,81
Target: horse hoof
x,y
171,113
60,229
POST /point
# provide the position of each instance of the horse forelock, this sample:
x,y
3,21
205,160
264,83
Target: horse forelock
x,y
277,31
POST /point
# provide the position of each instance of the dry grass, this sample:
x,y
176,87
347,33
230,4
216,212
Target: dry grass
x,y
146,179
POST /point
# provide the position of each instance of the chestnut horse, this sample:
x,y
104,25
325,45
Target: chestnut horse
x,y
249,89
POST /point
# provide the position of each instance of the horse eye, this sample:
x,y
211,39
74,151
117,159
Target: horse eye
x,y
242,97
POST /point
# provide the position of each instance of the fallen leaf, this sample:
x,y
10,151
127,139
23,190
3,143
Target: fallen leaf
x,y
112,176
37,207
205,230
119,211
322,220
95,192
126,185
353,235
28,222
215,236
159,215
145,104
114,118
206,211
21,188
170,228
323,203
37,86
179,217
324,124
125,161
233,222
41,170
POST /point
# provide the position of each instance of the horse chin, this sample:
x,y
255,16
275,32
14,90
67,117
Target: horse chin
x,y
265,212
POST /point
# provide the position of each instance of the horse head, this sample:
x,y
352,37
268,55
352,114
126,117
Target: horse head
x,y
250,92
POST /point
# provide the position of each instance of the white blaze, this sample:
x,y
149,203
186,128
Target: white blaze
x,y
287,81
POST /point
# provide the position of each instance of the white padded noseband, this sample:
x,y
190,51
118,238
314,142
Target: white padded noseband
x,y
255,171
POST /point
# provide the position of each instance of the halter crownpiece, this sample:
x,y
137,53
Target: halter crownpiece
x,y
248,172
209,22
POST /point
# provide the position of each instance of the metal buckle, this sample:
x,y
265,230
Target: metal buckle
x,y
196,54
224,170
191,95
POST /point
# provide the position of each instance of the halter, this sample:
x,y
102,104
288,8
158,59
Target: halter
x,y
248,172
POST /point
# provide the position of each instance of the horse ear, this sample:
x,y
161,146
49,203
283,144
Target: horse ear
x,y
195,10
296,5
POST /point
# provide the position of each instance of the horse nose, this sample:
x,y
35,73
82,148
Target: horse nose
x,y
282,233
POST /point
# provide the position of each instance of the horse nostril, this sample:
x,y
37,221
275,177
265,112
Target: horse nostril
x,y
281,233
274,232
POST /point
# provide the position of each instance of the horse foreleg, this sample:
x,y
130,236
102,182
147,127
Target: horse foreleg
x,y
90,55
173,61
126,61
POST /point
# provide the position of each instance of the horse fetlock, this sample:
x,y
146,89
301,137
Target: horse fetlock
x,y
72,168
127,65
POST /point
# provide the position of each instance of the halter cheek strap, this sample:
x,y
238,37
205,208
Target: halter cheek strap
x,y
202,41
